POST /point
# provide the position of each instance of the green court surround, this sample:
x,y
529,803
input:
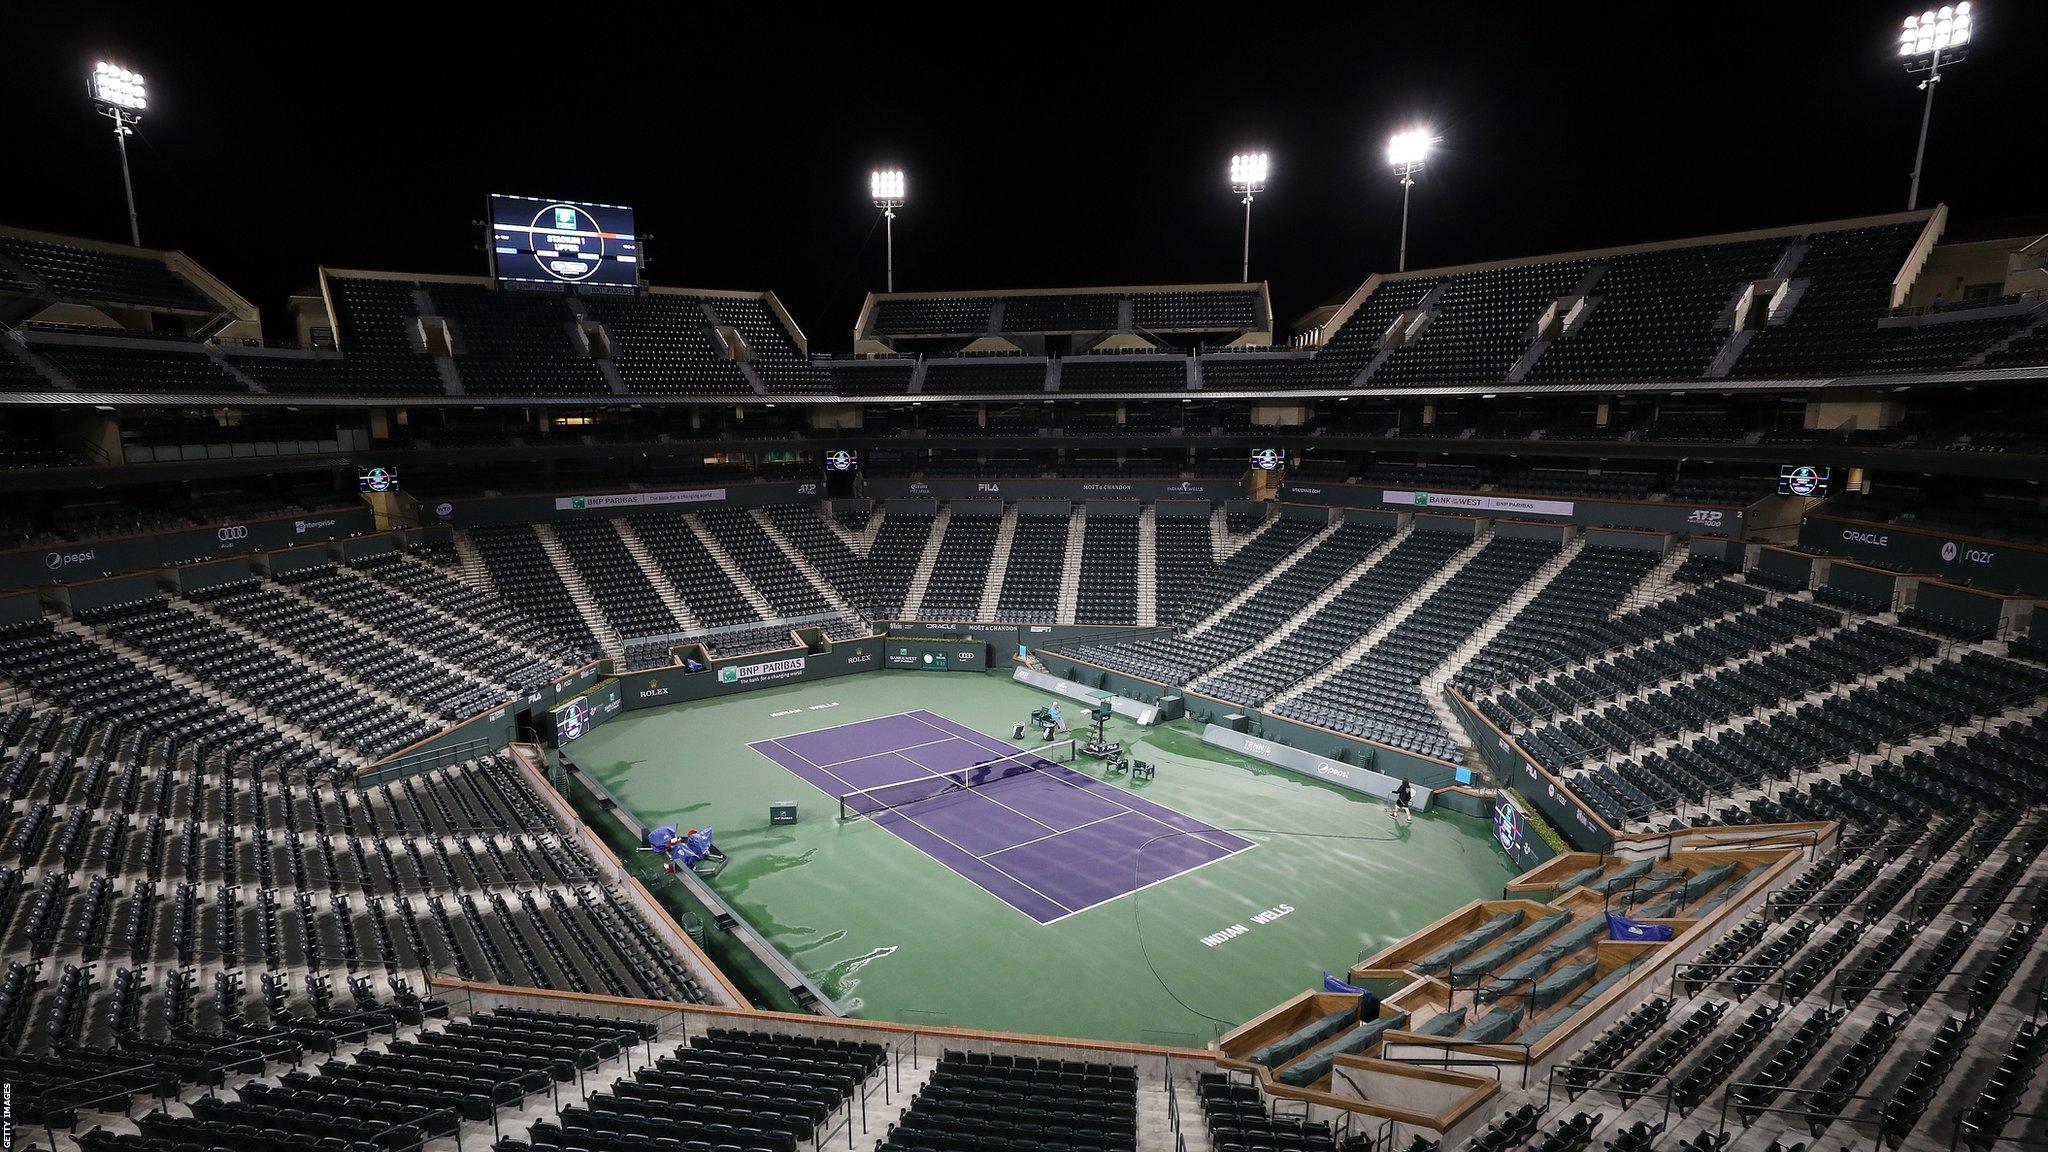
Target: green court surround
x,y
890,934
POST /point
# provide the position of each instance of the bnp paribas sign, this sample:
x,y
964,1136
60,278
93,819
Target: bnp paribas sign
x,y
738,673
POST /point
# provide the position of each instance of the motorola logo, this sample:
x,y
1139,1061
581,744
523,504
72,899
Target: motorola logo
x,y
232,533
1948,551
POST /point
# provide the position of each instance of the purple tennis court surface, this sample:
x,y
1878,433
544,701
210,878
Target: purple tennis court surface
x,y
1048,843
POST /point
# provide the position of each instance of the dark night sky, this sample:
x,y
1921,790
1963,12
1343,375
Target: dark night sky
x,y
1065,148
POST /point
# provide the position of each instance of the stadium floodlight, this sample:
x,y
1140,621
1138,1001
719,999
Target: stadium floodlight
x,y
886,186
1248,178
121,96
1406,152
1929,41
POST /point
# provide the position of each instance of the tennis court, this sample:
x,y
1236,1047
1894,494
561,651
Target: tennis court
x,y
1041,837
888,933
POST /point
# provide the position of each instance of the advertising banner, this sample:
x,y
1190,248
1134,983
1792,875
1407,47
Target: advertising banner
x,y
70,562
639,499
661,687
1996,564
936,655
1518,840
1351,776
463,511
1646,515
1064,488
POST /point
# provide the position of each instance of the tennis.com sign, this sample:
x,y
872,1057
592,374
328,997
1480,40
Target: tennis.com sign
x,y
741,673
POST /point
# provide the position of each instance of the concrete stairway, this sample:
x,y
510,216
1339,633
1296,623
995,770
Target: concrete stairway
x,y
1070,572
1222,545
1271,574
998,565
518,642
803,564
474,573
1148,567
1293,623
921,576
1402,611
1658,586
755,600
860,542
579,592
663,586
1433,684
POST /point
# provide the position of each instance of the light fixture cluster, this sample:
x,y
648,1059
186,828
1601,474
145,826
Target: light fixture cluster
x,y
1408,149
117,87
1936,30
1248,171
887,186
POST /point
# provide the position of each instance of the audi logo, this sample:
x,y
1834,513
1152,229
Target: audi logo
x,y
232,533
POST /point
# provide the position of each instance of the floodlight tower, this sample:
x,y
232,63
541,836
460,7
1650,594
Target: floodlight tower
x,y
1931,40
1247,179
886,186
121,97
1406,152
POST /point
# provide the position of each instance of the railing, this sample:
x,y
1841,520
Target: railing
x,y
1446,1061
1667,1093
1180,1143
1816,1122
2003,300
423,761
251,1047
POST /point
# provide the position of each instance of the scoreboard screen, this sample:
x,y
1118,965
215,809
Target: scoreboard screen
x,y
842,460
377,480
1268,459
1803,480
563,242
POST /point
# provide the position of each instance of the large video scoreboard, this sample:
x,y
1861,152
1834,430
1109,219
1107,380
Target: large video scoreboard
x,y
563,242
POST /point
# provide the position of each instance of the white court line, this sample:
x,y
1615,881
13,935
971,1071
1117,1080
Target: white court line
x,y
1102,791
827,728
1249,845
984,795
1060,832
875,755
935,832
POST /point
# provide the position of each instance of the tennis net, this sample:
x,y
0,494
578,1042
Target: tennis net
x,y
896,794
